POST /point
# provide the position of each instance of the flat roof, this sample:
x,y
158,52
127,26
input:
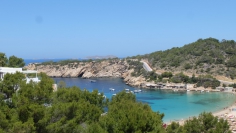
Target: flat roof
x,y
29,71
9,69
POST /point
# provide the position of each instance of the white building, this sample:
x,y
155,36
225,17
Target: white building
x,y
5,70
229,89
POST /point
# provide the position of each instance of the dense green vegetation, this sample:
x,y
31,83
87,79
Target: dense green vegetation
x,y
3,60
126,115
232,85
13,61
202,80
34,107
137,66
205,56
204,123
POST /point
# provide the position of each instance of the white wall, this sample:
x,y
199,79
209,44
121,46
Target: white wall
x,y
5,70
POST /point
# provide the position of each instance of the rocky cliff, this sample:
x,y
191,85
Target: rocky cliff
x,y
106,68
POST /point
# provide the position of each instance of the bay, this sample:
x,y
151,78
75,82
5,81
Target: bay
x,y
175,105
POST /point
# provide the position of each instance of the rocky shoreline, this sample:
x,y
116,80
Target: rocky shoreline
x,y
106,68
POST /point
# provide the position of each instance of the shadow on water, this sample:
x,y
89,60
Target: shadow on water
x,y
207,101
200,102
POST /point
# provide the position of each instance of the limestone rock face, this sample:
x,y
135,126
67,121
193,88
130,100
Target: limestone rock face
x,y
84,69
133,81
106,68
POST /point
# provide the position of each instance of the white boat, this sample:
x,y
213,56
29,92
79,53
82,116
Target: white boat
x,y
126,89
137,91
113,94
93,81
202,90
188,90
111,89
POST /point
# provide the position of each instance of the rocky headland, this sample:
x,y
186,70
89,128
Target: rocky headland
x,y
93,69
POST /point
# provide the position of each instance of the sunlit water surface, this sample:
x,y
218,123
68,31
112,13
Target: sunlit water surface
x,y
175,105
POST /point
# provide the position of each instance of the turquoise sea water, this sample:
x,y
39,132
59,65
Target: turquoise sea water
x,y
175,105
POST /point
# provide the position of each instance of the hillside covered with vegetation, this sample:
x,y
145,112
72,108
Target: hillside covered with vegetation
x,y
205,56
199,63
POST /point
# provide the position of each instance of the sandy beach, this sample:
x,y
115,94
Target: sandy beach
x,y
228,113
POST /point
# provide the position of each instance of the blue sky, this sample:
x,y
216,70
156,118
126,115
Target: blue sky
x,y
80,28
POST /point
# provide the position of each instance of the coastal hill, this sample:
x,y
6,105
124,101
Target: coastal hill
x,y
203,57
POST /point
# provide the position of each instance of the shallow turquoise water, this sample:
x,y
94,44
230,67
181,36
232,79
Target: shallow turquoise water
x,y
175,105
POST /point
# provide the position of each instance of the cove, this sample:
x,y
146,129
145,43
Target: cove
x,y
175,105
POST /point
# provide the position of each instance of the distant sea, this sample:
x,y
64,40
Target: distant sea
x,y
28,61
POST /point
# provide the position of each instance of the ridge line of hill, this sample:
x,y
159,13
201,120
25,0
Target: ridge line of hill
x,y
205,56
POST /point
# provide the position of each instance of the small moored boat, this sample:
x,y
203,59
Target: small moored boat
x,y
126,89
111,89
137,91
93,81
